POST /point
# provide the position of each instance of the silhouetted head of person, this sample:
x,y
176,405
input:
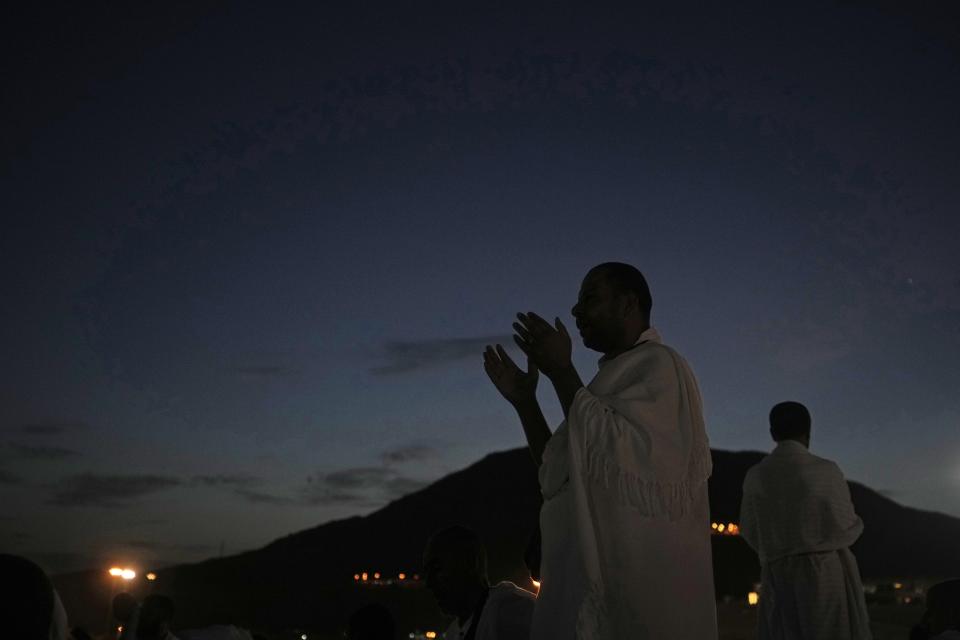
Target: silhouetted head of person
x,y
29,606
455,567
943,607
790,421
613,307
371,622
156,617
124,605
79,633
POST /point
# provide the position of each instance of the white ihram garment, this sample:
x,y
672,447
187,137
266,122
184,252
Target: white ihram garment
x,y
797,514
625,519
505,616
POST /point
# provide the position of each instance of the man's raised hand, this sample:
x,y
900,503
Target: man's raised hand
x,y
513,383
548,347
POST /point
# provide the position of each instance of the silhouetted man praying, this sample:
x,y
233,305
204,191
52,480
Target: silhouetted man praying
x,y
625,519
797,514
455,567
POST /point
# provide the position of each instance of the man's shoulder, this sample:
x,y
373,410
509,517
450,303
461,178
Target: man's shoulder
x,y
649,358
508,591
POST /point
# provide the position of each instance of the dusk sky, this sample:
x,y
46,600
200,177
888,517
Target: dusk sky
x,y
251,255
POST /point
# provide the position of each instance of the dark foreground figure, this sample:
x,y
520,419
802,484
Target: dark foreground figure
x,y
30,608
455,566
941,620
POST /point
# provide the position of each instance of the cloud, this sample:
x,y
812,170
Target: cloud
x,y
262,371
8,478
40,452
243,485
259,497
111,491
51,428
360,486
236,480
410,453
406,356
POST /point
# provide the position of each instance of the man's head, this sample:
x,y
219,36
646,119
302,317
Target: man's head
x,y
124,605
790,421
943,607
156,616
27,601
455,567
613,307
371,622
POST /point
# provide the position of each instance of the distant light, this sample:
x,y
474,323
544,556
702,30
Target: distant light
x,y
402,576
753,598
376,575
713,525
536,584
303,636
128,574
120,629
412,635
416,576
907,600
356,577
720,527
363,576
431,634
897,585
116,571
151,576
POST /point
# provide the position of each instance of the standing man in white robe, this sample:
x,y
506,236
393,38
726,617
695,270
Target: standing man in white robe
x,y
797,515
625,520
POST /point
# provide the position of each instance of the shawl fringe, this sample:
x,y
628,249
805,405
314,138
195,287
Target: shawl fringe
x,y
650,497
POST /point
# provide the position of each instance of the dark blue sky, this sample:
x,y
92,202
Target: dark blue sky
x,y
250,256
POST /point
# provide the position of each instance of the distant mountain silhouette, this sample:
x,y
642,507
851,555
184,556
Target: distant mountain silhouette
x,y
306,578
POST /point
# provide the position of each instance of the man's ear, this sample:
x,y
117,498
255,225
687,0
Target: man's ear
x,y
629,304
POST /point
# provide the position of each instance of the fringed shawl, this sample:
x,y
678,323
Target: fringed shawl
x,y
635,444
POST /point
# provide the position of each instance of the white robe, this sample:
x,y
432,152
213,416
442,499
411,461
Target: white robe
x,y
625,520
797,514
505,616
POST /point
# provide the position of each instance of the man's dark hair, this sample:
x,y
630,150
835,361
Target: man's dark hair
x,y
124,604
154,612
371,622
625,278
789,421
945,596
26,599
462,539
